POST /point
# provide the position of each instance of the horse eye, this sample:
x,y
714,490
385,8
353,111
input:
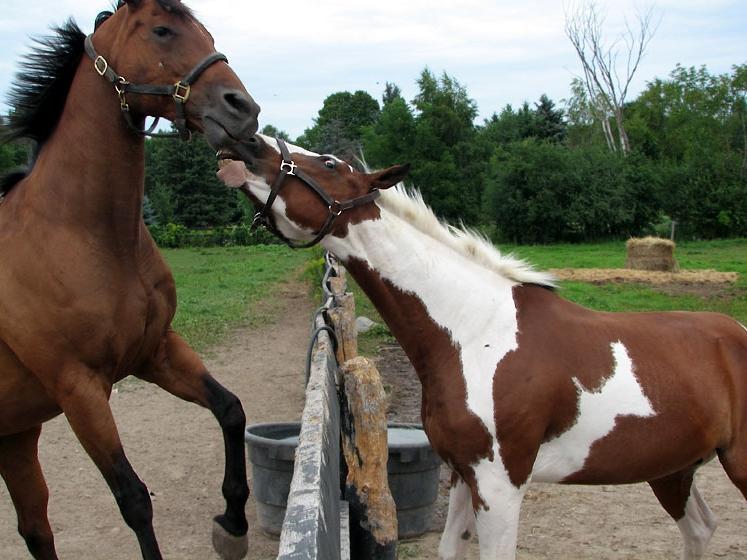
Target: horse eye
x,y
330,164
162,32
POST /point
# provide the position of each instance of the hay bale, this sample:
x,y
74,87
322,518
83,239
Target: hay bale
x,y
651,253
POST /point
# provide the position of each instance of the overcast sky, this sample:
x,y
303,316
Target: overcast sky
x,y
291,54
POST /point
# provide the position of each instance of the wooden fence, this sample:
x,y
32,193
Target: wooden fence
x,y
319,522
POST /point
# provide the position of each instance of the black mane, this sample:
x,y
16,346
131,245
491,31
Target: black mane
x,y
38,96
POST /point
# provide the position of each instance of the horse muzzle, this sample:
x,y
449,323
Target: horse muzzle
x,y
231,119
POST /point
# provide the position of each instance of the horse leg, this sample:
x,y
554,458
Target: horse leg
x,y
682,501
460,522
20,468
179,370
84,399
734,461
498,507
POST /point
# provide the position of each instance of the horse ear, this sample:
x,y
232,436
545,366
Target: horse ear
x,y
101,18
389,177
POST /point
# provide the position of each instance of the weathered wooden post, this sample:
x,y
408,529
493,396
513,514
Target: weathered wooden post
x,y
342,315
373,514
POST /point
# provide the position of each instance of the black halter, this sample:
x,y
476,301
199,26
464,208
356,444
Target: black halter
x,y
289,168
179,91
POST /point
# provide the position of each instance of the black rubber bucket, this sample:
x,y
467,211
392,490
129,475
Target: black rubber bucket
x,y
272,451
413,469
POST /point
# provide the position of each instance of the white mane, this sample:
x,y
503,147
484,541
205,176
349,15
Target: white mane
x,y
409,205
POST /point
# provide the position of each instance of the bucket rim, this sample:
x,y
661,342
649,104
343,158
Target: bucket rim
x,y
251,437
407,426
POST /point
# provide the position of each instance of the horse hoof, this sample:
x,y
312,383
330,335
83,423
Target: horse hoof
x,y
228,546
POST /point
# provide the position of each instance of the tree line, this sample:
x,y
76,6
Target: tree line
x,y
535,173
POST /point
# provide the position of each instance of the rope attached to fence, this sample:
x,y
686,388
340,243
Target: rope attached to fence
x,y
329,272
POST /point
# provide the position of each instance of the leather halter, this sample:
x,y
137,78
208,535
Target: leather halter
x,y
289,168
179,91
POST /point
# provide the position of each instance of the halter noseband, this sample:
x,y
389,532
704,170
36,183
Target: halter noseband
x,y
289,168
179,91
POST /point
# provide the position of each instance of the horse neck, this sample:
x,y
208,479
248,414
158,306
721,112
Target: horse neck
x,y
90,172
429,295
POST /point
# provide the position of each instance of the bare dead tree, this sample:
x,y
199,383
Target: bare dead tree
x,y
608,67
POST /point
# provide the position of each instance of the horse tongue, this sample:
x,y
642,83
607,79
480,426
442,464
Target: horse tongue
x,y
232,173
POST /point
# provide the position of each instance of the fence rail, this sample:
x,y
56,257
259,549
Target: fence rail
x,y
311,529
340,400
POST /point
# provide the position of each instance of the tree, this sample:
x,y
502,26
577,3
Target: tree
x,y
182,187
13,155
274,132
542,192
390,140
339,125
391,93
605,78
447,156
544,122
692,126
548,121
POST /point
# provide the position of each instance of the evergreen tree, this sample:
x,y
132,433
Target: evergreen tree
x,y
339,126
274,132
182,186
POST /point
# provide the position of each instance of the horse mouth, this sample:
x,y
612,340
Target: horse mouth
x,y
217,134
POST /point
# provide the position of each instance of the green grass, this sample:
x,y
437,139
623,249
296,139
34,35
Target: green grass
x,y
217,287
721,255
729,255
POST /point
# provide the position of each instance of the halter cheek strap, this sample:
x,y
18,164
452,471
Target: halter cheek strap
x,y
179,91
289,168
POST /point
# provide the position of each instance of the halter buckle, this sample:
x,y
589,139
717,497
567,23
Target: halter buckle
x,y
181,92
336,208
101,65
257,221
288,166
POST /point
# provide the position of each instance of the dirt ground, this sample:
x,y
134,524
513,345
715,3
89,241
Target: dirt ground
x,y
177,450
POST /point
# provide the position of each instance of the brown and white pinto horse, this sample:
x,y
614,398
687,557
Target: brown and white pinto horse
x,y
518,383
85,297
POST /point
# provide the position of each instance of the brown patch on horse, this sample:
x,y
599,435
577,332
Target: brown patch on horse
x,y
456,433
534,396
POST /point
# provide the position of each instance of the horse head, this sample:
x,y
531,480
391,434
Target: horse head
x,y
162,63
304,196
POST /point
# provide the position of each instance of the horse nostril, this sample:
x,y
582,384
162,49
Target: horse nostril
x,y
241,103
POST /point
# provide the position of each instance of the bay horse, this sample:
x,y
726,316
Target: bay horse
x,y
85,297
519,384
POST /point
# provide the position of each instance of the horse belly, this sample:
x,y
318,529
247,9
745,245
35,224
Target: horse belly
x,y
636,449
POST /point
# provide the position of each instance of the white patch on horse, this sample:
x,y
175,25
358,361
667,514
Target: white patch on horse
x,y
286,226
598,410
480,320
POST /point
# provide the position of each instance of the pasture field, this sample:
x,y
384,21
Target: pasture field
x,y
218,288
728,255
